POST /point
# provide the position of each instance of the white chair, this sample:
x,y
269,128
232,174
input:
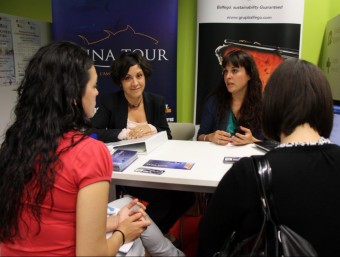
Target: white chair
x,y
182,130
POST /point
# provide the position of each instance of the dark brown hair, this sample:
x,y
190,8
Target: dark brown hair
x,y
120,67
296,93
48,106
250,112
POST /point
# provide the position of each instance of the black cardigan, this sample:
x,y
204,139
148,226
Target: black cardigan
x,y
306,192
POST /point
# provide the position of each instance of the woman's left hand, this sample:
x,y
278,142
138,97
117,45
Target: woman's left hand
x,y
243,139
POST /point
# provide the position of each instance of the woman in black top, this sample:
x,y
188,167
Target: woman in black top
x,y
297,111
133,113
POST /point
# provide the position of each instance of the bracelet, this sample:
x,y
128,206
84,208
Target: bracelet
x,y
121,232
205,136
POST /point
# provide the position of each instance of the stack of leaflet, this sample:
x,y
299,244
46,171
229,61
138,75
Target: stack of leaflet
x,y
123,158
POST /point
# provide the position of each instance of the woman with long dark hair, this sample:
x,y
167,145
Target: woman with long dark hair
x,y
232,112
54,179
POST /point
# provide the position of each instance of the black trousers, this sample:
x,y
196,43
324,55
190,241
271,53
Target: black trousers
x,y
165,207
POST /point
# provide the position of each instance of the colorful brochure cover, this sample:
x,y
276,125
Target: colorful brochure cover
x,y
169,164
123,158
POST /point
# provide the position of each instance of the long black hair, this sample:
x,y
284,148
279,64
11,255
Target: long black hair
x,y
250,112
49,104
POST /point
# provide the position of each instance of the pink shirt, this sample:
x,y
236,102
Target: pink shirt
x,y
86,163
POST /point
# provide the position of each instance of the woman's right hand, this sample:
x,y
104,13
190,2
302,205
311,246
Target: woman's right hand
x,y
127,211
134,225
220,137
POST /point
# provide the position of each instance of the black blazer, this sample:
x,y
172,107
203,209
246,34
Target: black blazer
x,y
111,116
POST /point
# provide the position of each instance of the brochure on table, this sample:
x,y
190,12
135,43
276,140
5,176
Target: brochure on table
x,y
123,158
169,164
142,145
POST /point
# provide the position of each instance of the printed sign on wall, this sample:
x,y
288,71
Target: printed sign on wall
x,y
269,30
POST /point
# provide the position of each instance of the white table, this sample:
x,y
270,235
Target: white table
x,y
204,175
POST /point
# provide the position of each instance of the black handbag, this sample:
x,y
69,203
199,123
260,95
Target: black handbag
x,y
273,239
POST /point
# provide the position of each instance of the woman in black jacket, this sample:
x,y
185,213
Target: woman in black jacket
x,y
133,113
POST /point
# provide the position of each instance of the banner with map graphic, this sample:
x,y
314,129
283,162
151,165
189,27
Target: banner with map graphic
x,y
107,28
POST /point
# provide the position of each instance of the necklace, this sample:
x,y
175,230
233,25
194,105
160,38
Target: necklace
x,y
134,106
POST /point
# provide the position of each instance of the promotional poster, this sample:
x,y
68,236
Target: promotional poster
x,y
270,31
108,27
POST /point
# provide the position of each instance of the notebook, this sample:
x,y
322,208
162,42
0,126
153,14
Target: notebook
x,y
142,145
267,145
335,134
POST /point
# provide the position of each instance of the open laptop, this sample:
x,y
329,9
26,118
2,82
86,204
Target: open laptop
x,y
335,134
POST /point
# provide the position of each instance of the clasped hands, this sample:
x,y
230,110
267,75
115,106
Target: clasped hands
x,y
139,131
131,220
221,137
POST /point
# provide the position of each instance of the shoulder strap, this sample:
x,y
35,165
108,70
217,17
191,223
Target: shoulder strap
x,y
263,173
264,177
